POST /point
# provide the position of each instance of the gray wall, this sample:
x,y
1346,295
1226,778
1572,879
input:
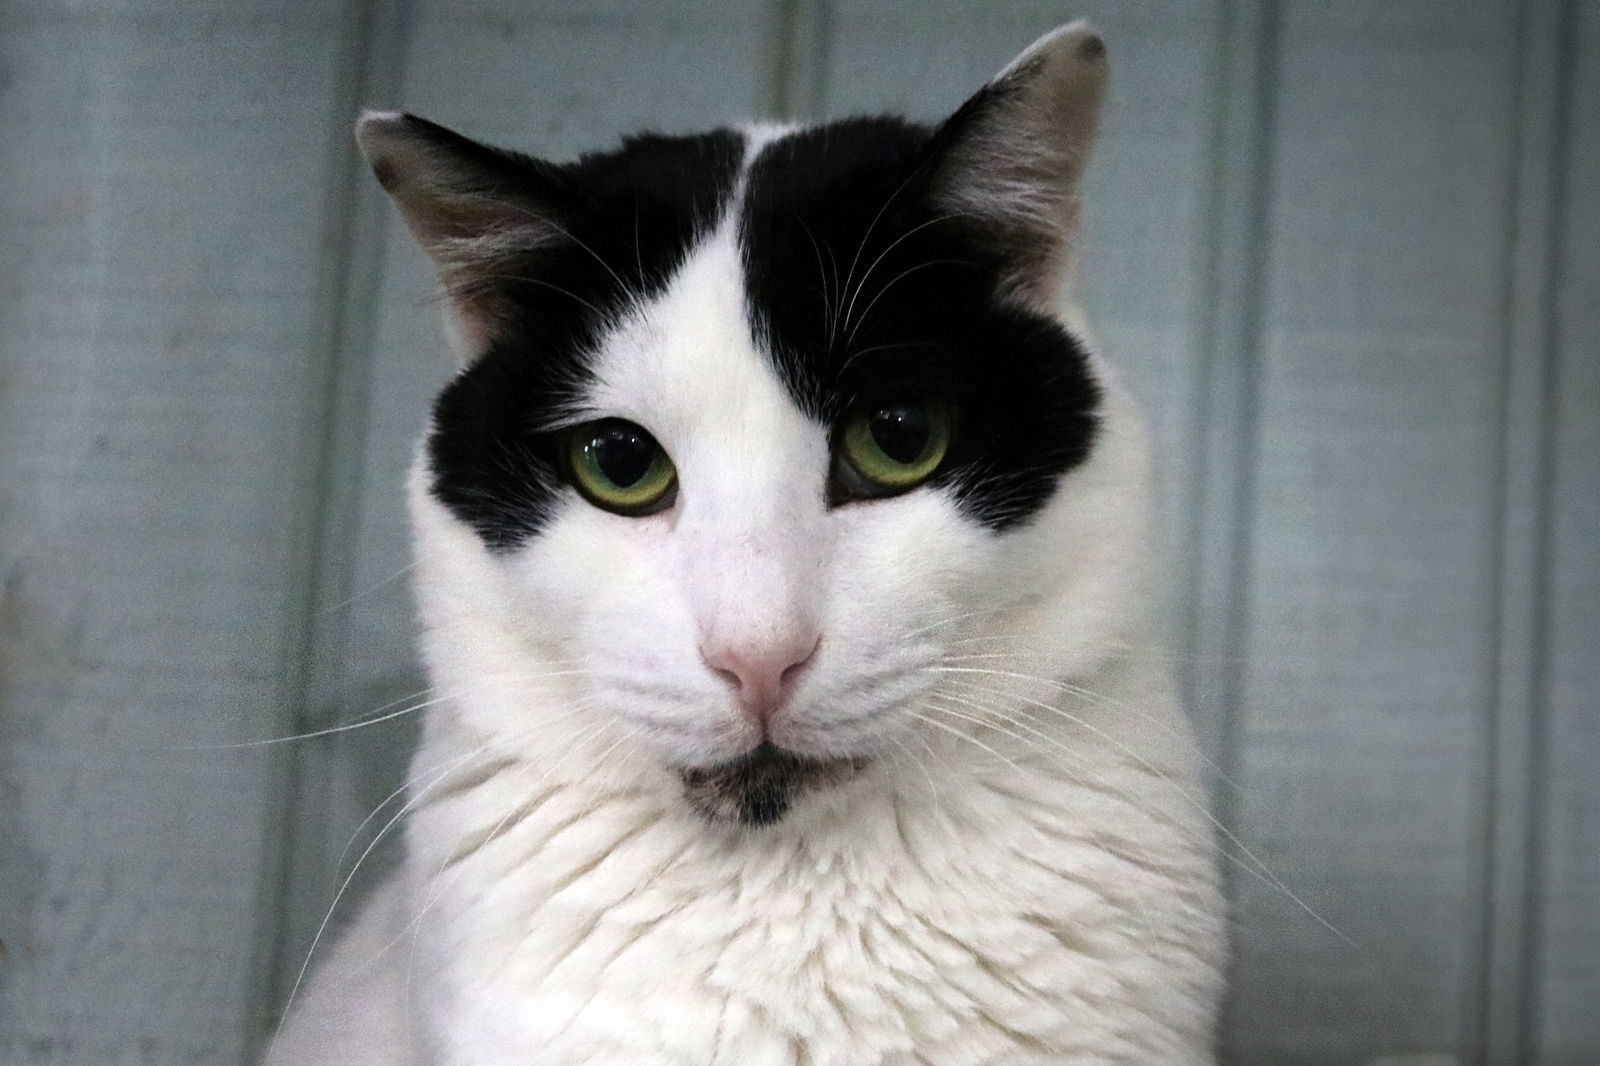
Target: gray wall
x,y
1345,251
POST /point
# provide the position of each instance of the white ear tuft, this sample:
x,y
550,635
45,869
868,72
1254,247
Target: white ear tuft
x,y
1061,84
450,188
1016,151
471,207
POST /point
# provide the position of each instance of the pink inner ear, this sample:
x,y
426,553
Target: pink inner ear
x,y
1017,149
469,335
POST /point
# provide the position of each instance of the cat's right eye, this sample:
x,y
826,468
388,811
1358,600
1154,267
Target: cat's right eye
x,y
619,467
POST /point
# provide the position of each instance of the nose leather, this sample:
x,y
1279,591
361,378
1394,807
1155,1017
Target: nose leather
x,y
761,675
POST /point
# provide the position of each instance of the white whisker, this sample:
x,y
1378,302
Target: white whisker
x,y
1196,804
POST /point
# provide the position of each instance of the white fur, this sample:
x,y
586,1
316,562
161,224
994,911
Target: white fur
x,y
1022,874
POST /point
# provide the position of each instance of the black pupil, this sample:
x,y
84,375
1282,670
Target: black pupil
x,y
902,432
624,455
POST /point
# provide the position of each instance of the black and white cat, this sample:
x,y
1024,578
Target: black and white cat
x,y
780,563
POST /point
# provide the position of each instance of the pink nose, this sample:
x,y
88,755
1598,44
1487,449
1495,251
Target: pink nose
x,y
762,676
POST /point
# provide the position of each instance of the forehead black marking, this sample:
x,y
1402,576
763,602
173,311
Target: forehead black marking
x,y
631,216
861,286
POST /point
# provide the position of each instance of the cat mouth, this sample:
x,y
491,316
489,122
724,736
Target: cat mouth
x,y
758,787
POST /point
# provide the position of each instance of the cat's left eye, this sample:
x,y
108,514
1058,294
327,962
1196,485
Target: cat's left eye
x,y
620,467
891,447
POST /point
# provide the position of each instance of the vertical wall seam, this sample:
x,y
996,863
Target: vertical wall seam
x,y
1539,650
332,466
819,98
310,502
781,46
1228,397
1210,270
1484,1017
796,89
1264,114
1223,269
1504,1028
1493,789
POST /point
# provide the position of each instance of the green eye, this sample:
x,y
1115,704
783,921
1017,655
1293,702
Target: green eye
x,y
894,447
617,466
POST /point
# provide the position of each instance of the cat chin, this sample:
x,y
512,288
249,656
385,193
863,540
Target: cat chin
x,y
759,787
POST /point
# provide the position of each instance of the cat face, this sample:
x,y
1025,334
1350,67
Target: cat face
x,y
757,427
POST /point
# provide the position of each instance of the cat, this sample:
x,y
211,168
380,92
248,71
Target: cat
x,y
781,573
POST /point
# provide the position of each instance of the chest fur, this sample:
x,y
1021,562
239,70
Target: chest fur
x,y
926,933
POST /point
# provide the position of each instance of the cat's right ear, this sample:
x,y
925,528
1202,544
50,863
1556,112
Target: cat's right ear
x,y
1012,157
477,211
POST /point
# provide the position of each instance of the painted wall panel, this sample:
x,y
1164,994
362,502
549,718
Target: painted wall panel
x,y
1316,241
158,292
1566,988
1370,581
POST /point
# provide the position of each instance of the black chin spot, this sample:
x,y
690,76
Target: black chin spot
x,y
759,787
754,789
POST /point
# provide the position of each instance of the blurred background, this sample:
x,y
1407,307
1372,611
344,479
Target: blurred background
x,y
1347,254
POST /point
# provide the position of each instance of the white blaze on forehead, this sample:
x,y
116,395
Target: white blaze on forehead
x,y
750,525
687,368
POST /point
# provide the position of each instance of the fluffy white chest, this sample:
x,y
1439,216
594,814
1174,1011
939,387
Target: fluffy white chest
x,y
1032,920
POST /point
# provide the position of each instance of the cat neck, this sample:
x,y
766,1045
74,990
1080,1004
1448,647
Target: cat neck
x,y
1057,743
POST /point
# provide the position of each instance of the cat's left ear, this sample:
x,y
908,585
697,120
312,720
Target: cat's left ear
x,y
479,212
1011,158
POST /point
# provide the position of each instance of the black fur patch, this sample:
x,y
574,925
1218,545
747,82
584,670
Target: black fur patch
x,y
636,211
758,788
861,288
858,285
